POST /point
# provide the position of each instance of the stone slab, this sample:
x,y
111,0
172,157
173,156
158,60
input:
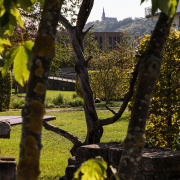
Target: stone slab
x,y
14,120
7,168
5,129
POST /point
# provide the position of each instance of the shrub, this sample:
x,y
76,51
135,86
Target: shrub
x,y
17,103
5,91
58,100
74,95
164,118
76,102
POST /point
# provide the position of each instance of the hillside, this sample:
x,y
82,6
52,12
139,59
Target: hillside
x,y
133,26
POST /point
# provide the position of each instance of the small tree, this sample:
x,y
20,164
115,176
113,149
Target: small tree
x,y
110,70
164,120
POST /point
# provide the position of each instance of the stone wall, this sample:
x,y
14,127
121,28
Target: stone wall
x,y
54,84
156,164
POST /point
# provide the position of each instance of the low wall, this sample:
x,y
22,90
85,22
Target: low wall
x,y
54,84
156,164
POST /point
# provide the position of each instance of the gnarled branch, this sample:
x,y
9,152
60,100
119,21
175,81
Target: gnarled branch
x,y
84,13
87,30
65,22
110,110
63,133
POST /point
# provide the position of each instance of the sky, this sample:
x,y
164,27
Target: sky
x,y
120,9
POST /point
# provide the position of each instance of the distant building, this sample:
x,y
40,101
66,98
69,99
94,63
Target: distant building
x,y
112,38
100,37
176,20
105,19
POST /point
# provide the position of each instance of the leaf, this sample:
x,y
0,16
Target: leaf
x,y
154,6
164,6
142,1
3,40
15,12
9,60
25,4
114,171
92,169
2,8
20,68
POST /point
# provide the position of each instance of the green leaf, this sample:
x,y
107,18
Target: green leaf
x,y
28,45
92,169
25,4
2,8
114,171
9,60
163,6
15,12
3,40
154,6
20,68
172,5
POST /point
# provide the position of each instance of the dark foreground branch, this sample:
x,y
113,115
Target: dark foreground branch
x,y
63,133
111,120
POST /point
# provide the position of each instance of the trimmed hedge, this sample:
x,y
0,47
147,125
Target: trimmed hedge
x,y
5,91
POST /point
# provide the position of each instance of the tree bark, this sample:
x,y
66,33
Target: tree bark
x,y
63,133
33,112
147,74
77,36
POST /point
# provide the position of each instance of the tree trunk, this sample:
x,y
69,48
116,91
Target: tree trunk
x,y
33,112
148,72
82,72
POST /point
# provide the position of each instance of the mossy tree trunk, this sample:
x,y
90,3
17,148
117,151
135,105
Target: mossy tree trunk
x,y
33,112
148,72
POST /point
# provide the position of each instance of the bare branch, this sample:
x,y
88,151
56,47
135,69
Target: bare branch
x,y
63,133
111,120
85,32
83,14
65,22
89,58
110,110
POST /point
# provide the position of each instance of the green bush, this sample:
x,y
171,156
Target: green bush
x,y
76,102
162,128
5,91
17,103
58,100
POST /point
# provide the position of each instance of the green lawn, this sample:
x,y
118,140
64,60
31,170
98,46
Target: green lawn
x,y
55,151
52,93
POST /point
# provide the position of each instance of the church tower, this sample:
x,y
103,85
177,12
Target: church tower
x,y
103,15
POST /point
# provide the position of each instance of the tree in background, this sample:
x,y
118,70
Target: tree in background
x,y
64,56
164,119
110,70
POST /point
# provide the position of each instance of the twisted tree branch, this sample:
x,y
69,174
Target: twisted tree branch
x,y
63,133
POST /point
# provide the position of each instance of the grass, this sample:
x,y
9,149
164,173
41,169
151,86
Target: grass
x,y
55,151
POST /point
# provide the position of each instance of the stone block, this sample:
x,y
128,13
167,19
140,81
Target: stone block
x,y
114,155
7,168
72,161
91,151
5,129
160,161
